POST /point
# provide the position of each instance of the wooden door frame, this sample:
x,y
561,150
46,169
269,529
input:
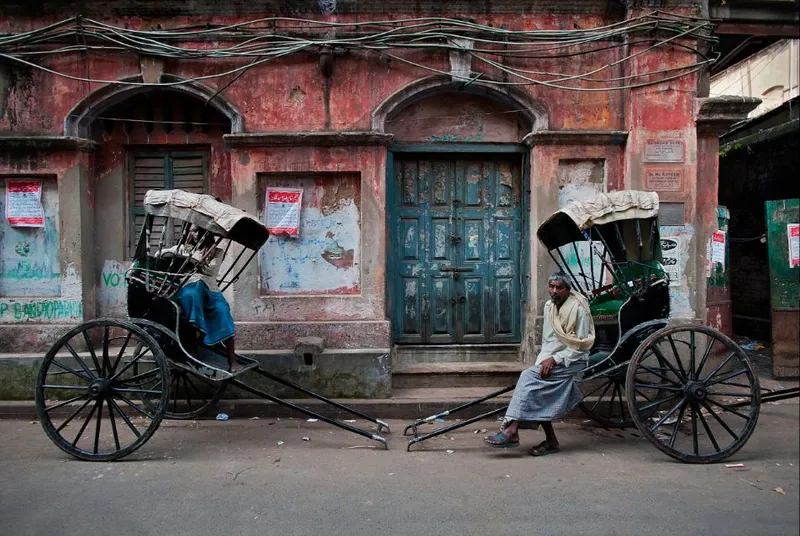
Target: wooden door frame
x,y
471,149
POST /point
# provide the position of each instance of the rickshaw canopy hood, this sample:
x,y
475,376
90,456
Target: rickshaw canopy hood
x,y
209,214
566,225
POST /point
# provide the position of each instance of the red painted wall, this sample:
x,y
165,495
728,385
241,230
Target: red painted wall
x,y
292,95
289,94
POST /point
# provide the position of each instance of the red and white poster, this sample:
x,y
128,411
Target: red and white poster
x,y
718,248
793,232
24,203
283,210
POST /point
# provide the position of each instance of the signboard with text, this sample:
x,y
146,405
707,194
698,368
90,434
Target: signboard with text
x,y
664,180
663,151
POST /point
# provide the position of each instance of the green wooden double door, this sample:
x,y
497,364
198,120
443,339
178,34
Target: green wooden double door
x,y
457,257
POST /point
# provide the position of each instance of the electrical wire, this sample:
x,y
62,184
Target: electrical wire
x,y
262,40
159,121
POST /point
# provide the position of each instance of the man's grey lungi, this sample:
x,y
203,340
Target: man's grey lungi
x,y
538,399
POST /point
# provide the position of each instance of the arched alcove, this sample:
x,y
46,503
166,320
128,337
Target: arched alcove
x,y
480,111
79,121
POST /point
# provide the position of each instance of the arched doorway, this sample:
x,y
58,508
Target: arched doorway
x,y
150,137
457,196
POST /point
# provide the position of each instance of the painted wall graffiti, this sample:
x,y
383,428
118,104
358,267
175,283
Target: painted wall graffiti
x,y
29,256
325,258
471,138
112,290
40,310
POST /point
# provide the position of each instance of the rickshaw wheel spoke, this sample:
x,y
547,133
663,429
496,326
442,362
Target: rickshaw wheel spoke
x,y
193,395
692,436
609,412
115,378
708,431
125,418
695,439
73,415
113,424
85,424
674,434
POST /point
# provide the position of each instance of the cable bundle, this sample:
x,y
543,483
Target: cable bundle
x,y
259,41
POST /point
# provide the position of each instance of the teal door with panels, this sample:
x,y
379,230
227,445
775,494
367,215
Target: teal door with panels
x,y
457,228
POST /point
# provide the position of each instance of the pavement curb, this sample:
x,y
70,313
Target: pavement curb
x,y
402,409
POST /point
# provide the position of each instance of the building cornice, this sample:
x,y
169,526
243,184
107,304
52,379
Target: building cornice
x,y
307,139
576,137
10,141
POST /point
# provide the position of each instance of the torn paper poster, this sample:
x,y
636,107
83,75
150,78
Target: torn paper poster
x,y
24,204
283,210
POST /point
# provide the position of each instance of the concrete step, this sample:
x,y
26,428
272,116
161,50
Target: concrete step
x,y
362,372
456,375
406,404
461,353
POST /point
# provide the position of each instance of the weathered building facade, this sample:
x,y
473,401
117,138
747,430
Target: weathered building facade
x,y
415,153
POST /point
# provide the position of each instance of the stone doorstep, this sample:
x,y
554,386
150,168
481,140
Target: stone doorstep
x,y
460,368
488,376
409,355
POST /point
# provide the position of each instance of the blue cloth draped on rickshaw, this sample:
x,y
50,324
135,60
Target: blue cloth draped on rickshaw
x,y
208,311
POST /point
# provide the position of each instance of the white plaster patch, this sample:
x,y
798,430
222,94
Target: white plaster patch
x,y
461,62
71,283
325,258
112,291
578,181
675,262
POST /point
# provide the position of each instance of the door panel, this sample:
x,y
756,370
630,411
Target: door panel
x,y
457,246
473,309
442,325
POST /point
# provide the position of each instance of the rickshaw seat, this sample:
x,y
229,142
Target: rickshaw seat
x,y
606,306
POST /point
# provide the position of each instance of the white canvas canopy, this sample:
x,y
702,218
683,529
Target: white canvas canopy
x,y
565,226
613,206
207,213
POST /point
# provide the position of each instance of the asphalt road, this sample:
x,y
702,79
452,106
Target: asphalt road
x,y
218,478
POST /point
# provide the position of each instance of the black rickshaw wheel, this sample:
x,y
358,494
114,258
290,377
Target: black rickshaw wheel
x,y
89,395
604,402
693,393
191,395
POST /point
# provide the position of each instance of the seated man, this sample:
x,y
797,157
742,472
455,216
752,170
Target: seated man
x,y
547,390
200,299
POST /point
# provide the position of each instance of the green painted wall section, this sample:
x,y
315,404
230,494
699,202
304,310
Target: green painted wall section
x,y
784,280
719,273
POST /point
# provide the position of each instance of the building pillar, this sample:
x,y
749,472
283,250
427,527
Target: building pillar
x,y
713,117
661,155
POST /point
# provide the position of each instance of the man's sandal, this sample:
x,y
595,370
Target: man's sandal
x,y
543,449
500,441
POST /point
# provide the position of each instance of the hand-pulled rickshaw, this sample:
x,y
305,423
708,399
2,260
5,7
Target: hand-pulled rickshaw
x,y
689,389
104,387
